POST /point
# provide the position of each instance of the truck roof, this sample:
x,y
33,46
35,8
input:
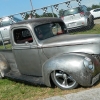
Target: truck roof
x,y
37,21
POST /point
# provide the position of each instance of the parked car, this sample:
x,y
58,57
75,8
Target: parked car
x,y
42,52
5,24
95,12
78,17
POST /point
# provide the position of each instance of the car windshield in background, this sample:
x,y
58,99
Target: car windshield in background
x,y
16,19
50,30
71,11
7,21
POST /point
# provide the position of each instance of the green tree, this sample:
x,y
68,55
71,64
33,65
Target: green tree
x,y
89,8
48,15
26,16
61,12
95,6
37,15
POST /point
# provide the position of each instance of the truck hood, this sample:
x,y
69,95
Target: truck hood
x,y
71,43
71,40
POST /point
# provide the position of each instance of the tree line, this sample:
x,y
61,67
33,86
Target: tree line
x,y
42,15
94,7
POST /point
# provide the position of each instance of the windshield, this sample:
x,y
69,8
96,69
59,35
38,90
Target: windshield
x,y
71,11
50,30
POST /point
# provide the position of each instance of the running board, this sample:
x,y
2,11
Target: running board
x,y
17,76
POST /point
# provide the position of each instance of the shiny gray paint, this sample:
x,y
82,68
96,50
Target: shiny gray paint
x,y
66,53
65,62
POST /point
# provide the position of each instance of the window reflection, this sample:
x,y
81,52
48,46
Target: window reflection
x,y
50,30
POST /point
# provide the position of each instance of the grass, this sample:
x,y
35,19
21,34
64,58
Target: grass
x,y
7,46
10,90
94,30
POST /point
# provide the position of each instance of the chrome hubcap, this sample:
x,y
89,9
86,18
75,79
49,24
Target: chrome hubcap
x,y
63,79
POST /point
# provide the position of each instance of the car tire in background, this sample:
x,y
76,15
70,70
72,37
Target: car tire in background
x,y
90,24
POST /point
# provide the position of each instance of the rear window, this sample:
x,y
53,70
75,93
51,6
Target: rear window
x,y
72,11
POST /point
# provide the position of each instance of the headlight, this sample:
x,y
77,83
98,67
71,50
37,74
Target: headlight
x,y
88,63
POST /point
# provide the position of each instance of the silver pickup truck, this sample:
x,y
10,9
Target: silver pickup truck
x,y
43,52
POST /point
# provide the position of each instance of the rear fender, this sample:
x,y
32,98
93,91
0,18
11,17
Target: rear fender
x,y
71,63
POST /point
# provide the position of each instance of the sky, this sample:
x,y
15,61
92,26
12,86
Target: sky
x,y
10,7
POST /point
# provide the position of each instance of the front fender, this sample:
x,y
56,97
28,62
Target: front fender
x,y
71,63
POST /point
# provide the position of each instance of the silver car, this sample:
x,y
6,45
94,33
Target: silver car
x,y
78,17
5,24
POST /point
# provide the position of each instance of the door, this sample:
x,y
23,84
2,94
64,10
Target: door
x,y
26,52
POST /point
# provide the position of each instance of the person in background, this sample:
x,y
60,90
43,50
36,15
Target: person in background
x,y
30,16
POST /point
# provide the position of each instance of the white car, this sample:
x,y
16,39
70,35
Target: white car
x,y
95,13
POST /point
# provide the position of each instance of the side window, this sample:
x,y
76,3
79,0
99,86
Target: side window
x,y
22,35
96,10
84,8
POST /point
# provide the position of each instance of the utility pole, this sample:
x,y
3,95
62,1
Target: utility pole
x,y
31,4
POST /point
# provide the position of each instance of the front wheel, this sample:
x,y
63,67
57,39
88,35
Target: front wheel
x,y
63,80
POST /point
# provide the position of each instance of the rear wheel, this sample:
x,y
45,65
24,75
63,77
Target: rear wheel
x,y
63,80
92,21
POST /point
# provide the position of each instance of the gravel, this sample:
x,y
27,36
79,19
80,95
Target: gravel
x,y
92,94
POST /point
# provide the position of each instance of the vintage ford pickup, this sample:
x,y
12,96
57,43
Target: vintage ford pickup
x,y
41,51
